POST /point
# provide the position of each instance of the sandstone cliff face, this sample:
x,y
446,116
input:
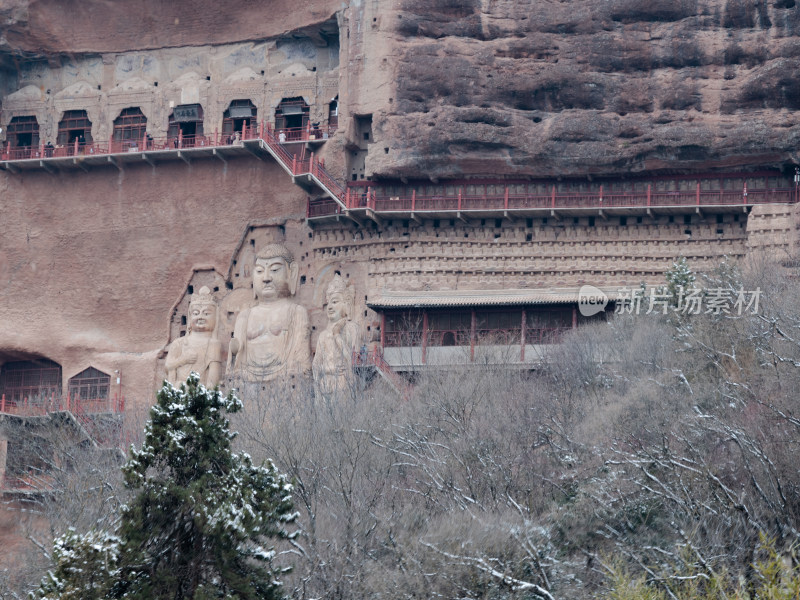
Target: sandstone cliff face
x,y
556,87
52,27
502,87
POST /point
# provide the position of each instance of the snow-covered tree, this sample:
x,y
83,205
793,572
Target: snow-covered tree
x,y
85,567
680,280
201,516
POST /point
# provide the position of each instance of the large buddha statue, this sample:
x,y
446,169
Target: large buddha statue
x,y
333,361
272,339
199,350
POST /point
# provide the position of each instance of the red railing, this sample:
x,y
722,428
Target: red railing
x,y
38,406
375,358
359,197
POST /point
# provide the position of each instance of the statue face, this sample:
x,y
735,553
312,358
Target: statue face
x,y
337,309
203,318
271,279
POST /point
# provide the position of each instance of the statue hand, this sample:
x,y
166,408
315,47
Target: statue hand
x,y
337,327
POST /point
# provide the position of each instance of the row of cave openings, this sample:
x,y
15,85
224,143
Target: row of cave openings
x,y
185,121
40,379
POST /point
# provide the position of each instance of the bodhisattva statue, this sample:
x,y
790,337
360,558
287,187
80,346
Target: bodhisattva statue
x,y
333,361
273,338
199,350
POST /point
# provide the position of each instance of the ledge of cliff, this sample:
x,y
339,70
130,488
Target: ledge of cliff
x,y
53,27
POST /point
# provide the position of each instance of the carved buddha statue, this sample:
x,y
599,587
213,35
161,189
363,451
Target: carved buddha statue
x,y
272,338
199,350
333,361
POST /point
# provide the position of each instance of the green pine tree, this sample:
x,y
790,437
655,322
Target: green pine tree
x,y
201,513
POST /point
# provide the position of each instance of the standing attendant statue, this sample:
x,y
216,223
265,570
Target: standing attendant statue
x,y
199,350
333,361
273,338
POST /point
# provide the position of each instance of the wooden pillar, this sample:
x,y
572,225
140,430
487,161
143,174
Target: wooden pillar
x,y
523,328
383,332
473,334
574,317
424,337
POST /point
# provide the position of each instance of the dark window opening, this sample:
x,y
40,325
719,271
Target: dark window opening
x,y
186,126
30,379
291,118
23,132
240,114
129,128
74,126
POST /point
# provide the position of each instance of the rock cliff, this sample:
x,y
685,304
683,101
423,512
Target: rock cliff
x,y
503,87
559,87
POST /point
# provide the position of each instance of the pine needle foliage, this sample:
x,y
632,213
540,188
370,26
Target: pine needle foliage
x,y
201,514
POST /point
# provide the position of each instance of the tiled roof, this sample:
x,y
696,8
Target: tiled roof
x,y
387,299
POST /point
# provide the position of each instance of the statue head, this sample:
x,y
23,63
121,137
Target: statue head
x,y
202,311
340,299
275,273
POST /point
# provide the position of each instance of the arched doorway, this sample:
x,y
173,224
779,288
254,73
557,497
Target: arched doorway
x,y
23,136
129,129
74,126
240,114
186,126
291,118
32,380
333,114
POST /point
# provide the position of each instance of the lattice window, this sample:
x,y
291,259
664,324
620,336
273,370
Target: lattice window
x,y
449,328
292,113
403,328
130,125
75,125
30,379
23,132
90,384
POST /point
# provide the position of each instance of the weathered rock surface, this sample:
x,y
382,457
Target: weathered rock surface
x,y
52,27
503,87
548,88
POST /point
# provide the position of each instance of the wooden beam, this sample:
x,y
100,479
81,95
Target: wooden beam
x,y
114,162
371,214
253,152
416,219
147,159
47,167
9,167
557,216
219,155
184,158
350,215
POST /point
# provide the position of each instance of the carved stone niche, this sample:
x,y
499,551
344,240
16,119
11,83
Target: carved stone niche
x,y
205,282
